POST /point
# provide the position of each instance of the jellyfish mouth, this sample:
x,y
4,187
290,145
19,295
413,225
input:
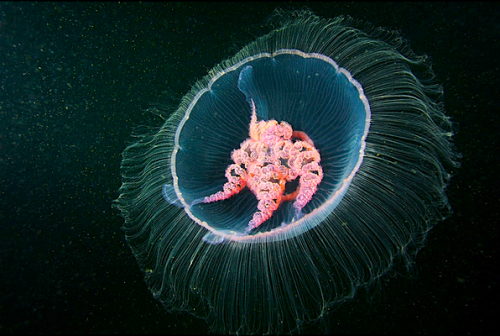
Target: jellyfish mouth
x,y
273,156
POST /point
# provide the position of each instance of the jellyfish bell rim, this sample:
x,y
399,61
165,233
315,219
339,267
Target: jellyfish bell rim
x,y
298,225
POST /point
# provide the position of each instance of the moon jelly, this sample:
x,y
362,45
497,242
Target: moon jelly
x,y
294,173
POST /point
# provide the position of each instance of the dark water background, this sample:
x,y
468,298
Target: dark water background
x,y
76,78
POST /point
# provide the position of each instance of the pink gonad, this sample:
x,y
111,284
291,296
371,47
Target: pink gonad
x,y
273,155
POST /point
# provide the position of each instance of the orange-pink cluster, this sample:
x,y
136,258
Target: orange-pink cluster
x,y
273,155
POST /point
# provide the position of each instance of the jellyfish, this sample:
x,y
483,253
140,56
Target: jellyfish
x,y
301,169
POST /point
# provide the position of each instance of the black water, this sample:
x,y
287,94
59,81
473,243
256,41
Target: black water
x,y
75,79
